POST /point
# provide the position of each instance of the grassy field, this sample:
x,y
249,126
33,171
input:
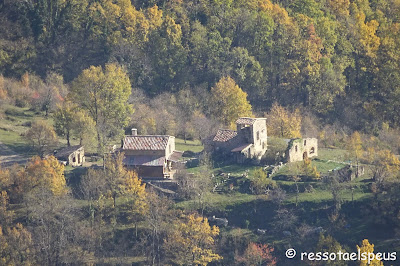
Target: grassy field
x,y
189,145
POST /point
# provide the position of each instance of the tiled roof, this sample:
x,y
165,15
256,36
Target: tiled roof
x,y
145,143
144,160
224,135
65,152
246,121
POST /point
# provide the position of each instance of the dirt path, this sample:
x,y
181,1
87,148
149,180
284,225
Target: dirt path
x,y
9,157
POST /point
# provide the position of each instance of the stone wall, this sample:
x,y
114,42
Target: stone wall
x,y
259,130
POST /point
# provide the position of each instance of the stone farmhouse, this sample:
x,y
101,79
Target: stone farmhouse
x,y
249,141
151,156
72,155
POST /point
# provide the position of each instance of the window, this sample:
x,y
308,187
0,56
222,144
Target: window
x,y
258,135
295,148
312,150
73,159
305,142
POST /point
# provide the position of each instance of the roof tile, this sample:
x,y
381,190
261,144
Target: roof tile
x,y
146,143
224,135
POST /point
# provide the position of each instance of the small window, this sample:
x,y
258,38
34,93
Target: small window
x,y
312,150
263,145
258,135
295,148
73,159
305,142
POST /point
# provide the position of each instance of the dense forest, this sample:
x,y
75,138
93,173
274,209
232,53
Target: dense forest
x,y
337,58
86,72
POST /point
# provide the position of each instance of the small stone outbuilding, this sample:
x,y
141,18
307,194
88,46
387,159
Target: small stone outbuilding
x,y
348,173
72,155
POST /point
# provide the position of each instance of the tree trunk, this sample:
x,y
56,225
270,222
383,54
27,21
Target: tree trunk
x,y
68,138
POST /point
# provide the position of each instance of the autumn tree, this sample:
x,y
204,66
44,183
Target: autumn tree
x,y
308,170
44,173
190,241
368,248
16,246
48,93
329,244
104,93
42,137
133,191
228,102
355,149
6,216
257,254
384,164
283,123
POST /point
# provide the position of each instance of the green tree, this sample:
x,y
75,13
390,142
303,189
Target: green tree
x,y
84,128
229,102
63,120
104,94
260,183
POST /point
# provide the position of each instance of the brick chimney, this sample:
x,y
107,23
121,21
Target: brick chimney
x,y
134,132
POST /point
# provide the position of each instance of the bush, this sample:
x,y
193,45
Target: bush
x,y
14,112
276,150
260,183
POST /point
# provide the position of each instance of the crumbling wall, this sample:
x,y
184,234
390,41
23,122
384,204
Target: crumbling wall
x,y
299,148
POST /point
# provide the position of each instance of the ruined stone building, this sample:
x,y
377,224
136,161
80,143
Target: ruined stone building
x,y
298,149
249,141
72,155
348,173
151,156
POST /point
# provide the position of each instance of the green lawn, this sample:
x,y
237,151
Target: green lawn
x,y
189,145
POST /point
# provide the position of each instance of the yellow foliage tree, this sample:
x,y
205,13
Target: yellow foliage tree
x,y
229,102
354,147
16,246
6,216
368,248
309,171
190,242
283,123
369,41
383,163
46,173
133,190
